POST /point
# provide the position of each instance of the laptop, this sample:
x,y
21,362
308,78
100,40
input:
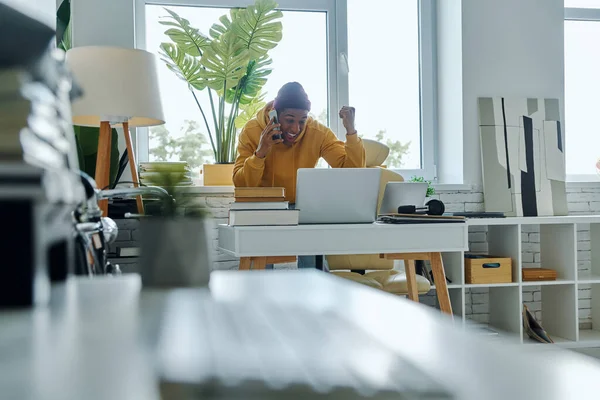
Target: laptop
x,y
402,194
337,195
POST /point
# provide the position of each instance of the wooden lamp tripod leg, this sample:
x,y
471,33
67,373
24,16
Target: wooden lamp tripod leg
x,y
102,175
133,166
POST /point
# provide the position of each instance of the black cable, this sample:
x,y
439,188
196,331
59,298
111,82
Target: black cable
x,y
122,164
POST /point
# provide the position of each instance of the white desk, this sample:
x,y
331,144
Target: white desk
x,y
421,241
98,341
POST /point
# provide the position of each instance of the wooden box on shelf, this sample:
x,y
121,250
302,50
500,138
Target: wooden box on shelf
x,y
538,274
483,268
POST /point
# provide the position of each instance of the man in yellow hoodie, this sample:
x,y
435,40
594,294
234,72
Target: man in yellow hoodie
x,y
267,161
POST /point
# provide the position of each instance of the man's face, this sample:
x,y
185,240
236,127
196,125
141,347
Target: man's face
x,y
292,122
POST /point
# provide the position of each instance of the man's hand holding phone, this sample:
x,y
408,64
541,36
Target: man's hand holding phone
x,y
270,135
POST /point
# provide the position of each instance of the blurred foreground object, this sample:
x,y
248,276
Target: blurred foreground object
x,y
39,181
300,334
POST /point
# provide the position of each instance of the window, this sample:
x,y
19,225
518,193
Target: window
x,y
582,27
384,76
340,60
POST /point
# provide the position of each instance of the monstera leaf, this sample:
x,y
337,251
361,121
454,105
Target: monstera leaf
x,y
251,83
249,110
183,65
256,28
224,62
187,38
219,29
63,25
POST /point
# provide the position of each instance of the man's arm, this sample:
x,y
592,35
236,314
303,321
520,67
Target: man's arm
x,y
343,155
248,169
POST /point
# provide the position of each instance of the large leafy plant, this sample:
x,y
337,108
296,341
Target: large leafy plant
x,y
231,65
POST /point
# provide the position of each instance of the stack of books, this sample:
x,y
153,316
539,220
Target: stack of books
x,y
165,173
256,206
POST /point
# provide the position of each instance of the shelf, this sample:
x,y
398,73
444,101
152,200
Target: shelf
x,y
548,283
589,279
567,219
488,331
558,341
589,338
483,285
450,286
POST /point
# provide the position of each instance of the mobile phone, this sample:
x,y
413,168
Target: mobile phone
x,y
273,116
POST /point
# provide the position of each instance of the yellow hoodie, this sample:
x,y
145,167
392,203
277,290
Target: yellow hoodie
x,y
278,168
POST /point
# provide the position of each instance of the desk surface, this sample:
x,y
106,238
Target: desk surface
x,y
246,241
99,340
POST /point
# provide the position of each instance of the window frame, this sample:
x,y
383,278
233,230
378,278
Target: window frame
x,y
581,14
338,82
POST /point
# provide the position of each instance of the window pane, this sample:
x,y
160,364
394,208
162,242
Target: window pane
x,y
300,56
582,3
383,58
582,139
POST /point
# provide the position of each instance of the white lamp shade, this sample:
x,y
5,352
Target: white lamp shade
x,y
118,84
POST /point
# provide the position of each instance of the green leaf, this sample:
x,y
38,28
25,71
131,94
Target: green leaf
x,y
257,29
187,38
254,80
87,150
224,62
249,111
186,67
63,22
218,29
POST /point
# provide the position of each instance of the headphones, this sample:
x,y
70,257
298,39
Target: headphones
x,y
432,207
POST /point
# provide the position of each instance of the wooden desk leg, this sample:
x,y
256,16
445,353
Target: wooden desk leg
x,y
411,280
245,263
260,262
439,276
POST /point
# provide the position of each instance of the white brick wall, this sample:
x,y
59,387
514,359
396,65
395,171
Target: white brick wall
x,y
581,200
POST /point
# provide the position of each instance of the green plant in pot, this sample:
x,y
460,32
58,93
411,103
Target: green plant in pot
x,y
430,189
230,67
86,138
175,242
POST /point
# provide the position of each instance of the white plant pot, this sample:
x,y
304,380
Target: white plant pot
x,y
175,252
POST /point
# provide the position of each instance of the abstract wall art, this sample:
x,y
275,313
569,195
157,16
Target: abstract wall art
x,y
522,151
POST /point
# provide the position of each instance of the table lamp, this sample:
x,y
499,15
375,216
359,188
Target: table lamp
x,y
120,88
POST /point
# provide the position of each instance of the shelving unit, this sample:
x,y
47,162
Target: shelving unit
x,y
560,301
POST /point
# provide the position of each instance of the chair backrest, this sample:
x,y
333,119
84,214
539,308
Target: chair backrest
x,y
375,152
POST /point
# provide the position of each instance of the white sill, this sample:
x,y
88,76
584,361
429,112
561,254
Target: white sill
x,y
452,187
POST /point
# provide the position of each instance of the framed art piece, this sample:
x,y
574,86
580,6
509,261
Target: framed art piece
x,y
523,159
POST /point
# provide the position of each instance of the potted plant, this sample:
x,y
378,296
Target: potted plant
x,y
430,189
230,66
175,242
